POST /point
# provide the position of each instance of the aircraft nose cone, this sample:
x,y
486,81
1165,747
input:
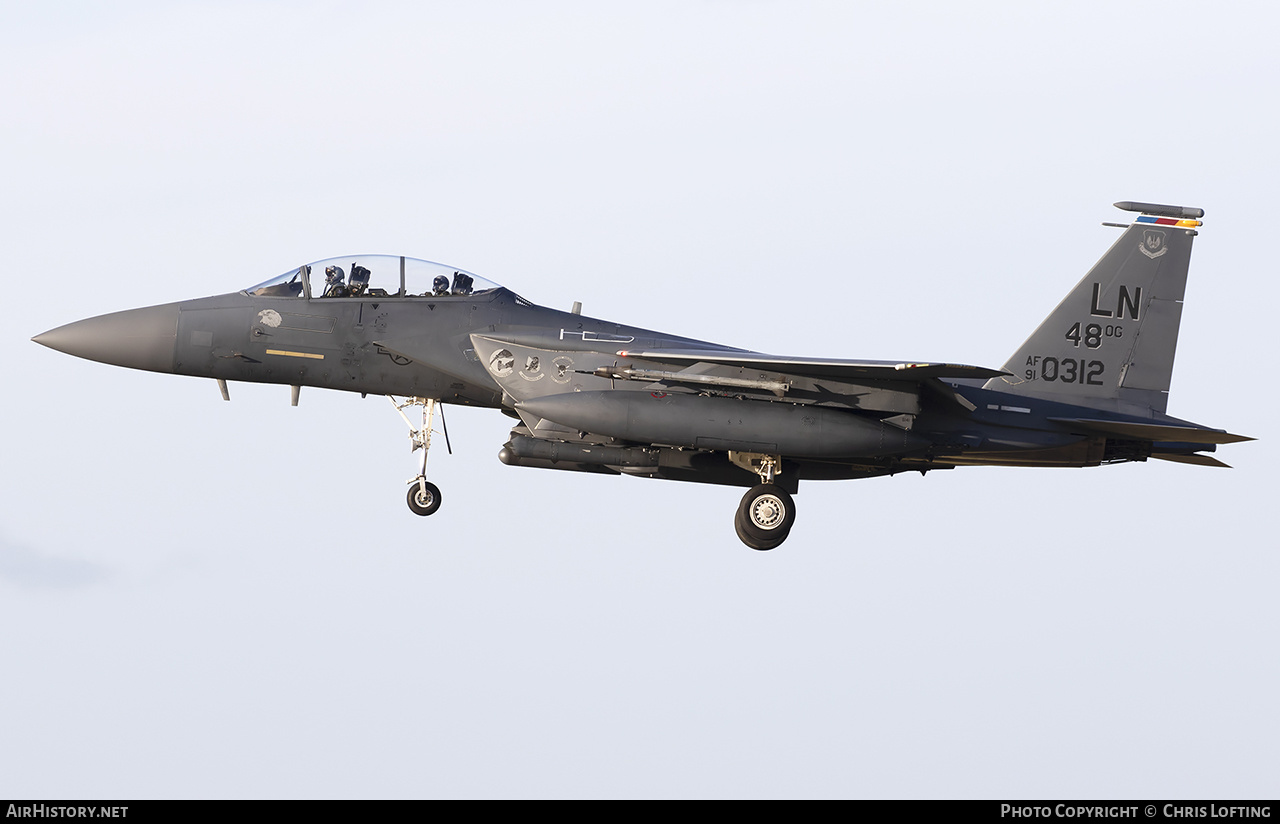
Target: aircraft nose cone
x,y
136,338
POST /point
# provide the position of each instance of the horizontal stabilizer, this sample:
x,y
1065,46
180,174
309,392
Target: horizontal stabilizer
x,y
1154,432
818,367
1197,460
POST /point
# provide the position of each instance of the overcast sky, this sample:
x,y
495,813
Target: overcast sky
x,y
202,599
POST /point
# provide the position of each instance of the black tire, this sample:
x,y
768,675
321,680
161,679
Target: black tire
x,y
751,542
423,504
765,517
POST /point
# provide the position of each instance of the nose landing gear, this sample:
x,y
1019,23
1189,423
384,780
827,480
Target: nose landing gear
x,y
423,496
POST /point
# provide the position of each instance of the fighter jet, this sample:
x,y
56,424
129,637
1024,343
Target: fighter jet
x,y
1089,386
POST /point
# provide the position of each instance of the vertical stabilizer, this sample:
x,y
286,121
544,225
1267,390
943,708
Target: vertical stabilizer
x,y
1111,341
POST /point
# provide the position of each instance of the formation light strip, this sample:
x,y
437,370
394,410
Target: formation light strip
x,y
288,354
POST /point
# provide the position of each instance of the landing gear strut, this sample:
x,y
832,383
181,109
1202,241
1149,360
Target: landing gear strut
x,y
767,512
423,497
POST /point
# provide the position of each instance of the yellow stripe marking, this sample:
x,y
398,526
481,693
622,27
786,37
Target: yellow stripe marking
x,y
289,354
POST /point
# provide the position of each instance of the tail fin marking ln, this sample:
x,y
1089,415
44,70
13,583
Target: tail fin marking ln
x,y
1111,342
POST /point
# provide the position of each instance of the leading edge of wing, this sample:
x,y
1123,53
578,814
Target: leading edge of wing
x,y
818,367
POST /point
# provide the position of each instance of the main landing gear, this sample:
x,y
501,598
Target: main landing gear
x,y
767,512
423,496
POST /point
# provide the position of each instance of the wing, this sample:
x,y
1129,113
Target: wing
x,y
817,367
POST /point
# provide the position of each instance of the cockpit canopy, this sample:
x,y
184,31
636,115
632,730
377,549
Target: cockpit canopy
x,y
373,276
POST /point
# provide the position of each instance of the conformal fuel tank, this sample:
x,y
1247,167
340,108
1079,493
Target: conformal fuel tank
x,y
703,422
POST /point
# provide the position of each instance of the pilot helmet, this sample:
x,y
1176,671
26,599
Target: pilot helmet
x,y
440,285
333,274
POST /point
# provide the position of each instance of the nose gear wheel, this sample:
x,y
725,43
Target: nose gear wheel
x,y
423,497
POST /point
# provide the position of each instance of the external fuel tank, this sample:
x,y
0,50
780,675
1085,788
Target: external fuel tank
x,y
721,423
